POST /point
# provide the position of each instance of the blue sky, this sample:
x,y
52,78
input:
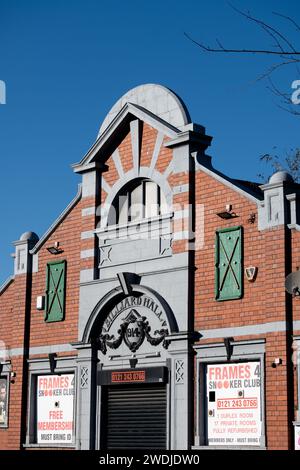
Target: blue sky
x,y
65,63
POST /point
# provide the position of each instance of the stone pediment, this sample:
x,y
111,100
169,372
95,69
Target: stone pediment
x,y
109,139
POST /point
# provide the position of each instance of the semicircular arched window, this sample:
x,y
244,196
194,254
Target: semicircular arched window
x,y
141,199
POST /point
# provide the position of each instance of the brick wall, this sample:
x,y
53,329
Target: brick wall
x,y
263,301
68,234
12,314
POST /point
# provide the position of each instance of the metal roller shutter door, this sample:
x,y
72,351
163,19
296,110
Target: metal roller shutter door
x,y
136,417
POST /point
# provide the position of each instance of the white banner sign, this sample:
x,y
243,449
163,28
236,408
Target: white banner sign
x,y
234,404
55,408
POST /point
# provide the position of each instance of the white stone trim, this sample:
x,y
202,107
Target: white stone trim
x,y
182,214
158,99
87,234
181,235
105,186
87,254
169,169
88,211
260,328
86,275
128,109
157,147
135,145
118,164
157,177
6,284
182,188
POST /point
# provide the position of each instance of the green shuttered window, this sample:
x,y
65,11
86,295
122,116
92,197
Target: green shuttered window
x,y
56,291
229,263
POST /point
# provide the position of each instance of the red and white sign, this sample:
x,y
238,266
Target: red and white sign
x,y
234,404
297,437
55,409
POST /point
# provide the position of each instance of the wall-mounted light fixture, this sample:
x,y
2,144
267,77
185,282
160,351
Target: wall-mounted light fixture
x,y
228,343
52,362
251,273
8,366
40,302
276,362
133,362
251,218
55,249
227,214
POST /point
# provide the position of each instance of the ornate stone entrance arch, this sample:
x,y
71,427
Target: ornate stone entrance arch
x,y
137,324
116,311
130,331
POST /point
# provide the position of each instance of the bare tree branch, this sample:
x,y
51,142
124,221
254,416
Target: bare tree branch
x,y
276,35
279,93
275,67
219,44
282,49
287,18
240,51
289,110
290,163
287,54
291,20
265,25
285,99
273,37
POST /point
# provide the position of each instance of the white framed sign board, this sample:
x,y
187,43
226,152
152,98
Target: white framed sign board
x,y
234,404
55,409
297,437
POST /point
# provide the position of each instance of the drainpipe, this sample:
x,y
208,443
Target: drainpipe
x,y
23,267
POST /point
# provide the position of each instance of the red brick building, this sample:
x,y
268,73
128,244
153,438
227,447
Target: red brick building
x,y
153,312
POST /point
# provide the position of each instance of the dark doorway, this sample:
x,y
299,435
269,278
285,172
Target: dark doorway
x,y
134,417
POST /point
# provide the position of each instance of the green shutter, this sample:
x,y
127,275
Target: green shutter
x,y
229,264
55,293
